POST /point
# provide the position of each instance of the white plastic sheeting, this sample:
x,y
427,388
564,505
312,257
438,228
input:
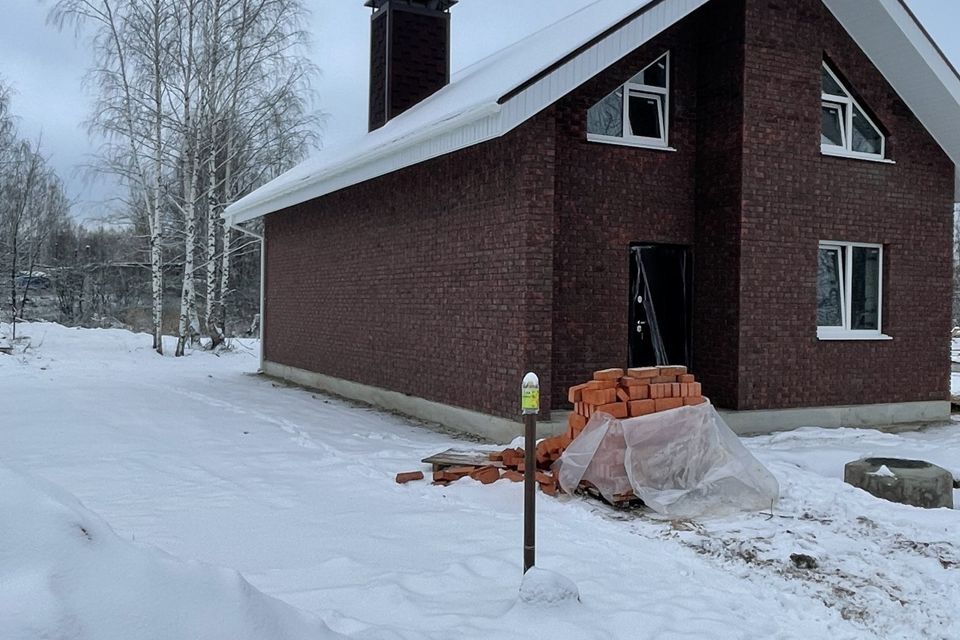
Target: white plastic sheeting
x,y
683,463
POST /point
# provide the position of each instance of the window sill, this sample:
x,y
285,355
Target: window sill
x,y
627,142
834,335
842,153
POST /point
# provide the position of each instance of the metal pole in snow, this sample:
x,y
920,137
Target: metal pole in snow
x,y
530,403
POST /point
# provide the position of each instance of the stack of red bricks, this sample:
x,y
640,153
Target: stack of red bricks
x,y
632,393
622,394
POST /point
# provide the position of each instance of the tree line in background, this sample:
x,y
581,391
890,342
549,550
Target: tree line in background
x,y
198,102
32,206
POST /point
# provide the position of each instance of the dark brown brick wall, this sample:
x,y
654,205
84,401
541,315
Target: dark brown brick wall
x,y
450,279
794,197
433,281
377,110
609,196
409,59
419,57
719,169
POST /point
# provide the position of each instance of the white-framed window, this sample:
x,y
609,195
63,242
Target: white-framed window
x,y
638,112
849,291
846,129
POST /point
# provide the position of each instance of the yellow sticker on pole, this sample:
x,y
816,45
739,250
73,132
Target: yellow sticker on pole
x,y
530,394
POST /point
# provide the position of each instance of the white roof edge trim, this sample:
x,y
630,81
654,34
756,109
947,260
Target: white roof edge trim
x,y
913,65
478,125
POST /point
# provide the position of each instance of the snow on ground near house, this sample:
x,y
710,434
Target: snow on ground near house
x,y
295,491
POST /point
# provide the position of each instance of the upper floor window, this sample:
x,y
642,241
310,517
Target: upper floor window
x,y
636,113
846,128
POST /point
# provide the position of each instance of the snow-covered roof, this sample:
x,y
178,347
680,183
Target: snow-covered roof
x,y
491,97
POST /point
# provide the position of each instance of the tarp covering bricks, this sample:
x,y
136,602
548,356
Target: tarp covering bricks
x,y
646,433
684,463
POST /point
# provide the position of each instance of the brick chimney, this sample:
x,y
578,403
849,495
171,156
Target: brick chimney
x,y
409,54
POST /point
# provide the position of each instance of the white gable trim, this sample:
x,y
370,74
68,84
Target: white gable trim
x,y
900,49
479,125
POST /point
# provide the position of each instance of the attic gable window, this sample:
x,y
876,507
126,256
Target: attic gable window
x,y
638,112
846,129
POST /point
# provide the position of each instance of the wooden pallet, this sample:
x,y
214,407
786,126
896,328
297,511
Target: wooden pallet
x,y
461,458
624,504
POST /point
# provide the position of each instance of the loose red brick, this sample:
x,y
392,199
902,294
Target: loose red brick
x,y
664,404
696,389
623,395
512,476
640,392
675,390
409,476
576,421
455,473
600,396
663,380
601,384
641,407
608,374
694,400
627,381
673,370
575,392
496,456
643,372
486,475
686,378
616,409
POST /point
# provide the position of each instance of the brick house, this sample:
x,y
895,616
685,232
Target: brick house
x,y
761,190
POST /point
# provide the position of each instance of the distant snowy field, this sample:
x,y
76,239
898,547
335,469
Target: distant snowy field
x,y
221,469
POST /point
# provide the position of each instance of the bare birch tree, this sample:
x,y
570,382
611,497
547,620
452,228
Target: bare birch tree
x,y
258,116
130,41
200,101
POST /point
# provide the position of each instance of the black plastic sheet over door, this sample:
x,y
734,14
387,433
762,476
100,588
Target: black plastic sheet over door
x,y
661,283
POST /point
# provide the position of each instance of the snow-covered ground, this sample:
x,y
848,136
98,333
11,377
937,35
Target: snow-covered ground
x,y
207,462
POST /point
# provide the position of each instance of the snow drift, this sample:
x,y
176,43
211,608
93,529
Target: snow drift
x,y
64,573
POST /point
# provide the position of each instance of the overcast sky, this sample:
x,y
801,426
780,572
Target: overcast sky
x,y
46,67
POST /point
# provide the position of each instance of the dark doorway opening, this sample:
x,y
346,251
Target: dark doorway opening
x,y
661,288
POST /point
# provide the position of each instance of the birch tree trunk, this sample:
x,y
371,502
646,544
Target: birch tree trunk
x,y
155,216
214,309
189,328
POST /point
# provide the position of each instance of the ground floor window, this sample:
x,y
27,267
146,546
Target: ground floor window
x,y
849,291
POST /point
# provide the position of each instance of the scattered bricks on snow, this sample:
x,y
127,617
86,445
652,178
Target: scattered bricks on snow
x,y
622,394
